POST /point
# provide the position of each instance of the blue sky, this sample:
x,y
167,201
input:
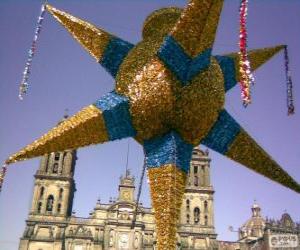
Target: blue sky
x,y
65,76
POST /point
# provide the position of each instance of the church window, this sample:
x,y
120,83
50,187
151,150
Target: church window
x,y
58,208
39,208
50,202
55,168
196,215
195,169
196,181
56,157
61,191
188,204
42,191
205,206
188,219
205,220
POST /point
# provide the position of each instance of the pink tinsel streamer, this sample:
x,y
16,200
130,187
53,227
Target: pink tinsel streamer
x,y
246,77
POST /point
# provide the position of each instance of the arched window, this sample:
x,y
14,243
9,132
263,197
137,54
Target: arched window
x,y
196,215
50,202
187,204
205,220
205,206
61,192
39,208
196,181
55,168
59,208
195,169
56,156
42,191
188,219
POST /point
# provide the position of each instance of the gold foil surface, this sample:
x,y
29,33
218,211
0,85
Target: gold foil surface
x,y
199,103
247,152
209,31
141,55
167,185
151,89
256,57
196,28
93,39
160,22
84,128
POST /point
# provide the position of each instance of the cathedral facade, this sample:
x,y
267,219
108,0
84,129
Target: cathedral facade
x,y
122,225
119,224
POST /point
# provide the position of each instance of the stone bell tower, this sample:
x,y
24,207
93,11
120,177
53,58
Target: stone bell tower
x,y
197,214
54,185
52,200
126,187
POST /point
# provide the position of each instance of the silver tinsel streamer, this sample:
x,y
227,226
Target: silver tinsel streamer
x,y
24,83
2,175
290,99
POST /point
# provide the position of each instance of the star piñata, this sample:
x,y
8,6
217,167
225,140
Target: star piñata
x,y
169,95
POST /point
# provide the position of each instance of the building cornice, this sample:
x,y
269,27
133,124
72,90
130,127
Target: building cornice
x,y
203,190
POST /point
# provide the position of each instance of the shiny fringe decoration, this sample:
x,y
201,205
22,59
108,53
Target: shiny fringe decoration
x,y
24,83
2,175
289,83
245,70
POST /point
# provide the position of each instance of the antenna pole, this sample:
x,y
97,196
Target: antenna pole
x,y
126,173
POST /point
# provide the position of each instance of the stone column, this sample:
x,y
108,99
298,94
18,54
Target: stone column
x,y
61,164
44,163
67,162
35,198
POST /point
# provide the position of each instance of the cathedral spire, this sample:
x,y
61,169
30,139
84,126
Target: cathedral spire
x,y
66,114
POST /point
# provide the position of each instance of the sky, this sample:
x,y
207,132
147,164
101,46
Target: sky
x,y
64,76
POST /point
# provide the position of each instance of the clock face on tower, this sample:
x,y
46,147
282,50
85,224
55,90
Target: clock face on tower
x,y
126,195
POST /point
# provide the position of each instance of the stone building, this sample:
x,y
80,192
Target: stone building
x,y
259,233
254,227
52,226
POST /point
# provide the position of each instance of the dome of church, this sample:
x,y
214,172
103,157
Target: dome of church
x,y
197,152
254,227
286,221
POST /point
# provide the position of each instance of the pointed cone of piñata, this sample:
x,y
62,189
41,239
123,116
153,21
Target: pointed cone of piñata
x,y
92,38
167,185
84,128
